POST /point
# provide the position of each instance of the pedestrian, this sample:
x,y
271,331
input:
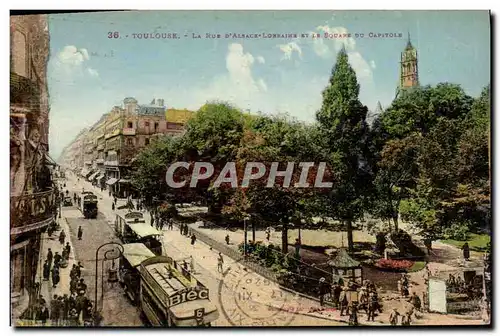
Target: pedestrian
x,y
170,224
337,289
49,256
55,276
268,233
57,259
416,302
343,301
43,314
65,305
393,318
80,233
113,206
185,265
79,269
406,319
62,237
73,285
193,239
82,286
372,306
68,248
220,262
323,290
54,310
466,251
182,228
227,239
73,318
353,317
46,270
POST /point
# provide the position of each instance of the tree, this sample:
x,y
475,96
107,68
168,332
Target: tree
x,y
150,168
342,119
214,136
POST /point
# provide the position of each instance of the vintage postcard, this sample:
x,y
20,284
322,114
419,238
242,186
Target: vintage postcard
x,y
250,169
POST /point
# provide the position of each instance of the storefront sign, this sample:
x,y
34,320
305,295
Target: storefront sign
x,y
191,294
32,208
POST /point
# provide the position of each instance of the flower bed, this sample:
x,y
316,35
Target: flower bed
x,y
394,265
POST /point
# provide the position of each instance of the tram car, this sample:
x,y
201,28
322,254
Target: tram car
x,y
132,228
87,203
171,297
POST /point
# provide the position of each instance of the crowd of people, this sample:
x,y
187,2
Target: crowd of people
x,y
70,309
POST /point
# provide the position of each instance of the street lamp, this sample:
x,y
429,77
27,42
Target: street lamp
x,y
245,236
110,254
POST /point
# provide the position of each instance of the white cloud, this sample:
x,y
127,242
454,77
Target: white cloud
x,y
72,56
261,60
92,72
70,63
360,65
238,85
327,47
338,42
288,50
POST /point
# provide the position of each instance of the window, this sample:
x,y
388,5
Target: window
x,y
19,54
156,126
129,124
146,298
146,141
130,141
146,124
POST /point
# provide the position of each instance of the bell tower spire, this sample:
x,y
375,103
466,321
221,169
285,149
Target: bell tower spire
x,y
408,77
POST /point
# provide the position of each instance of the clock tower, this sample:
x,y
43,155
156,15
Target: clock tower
x,y
408,77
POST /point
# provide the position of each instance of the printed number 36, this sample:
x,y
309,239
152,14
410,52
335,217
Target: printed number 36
x,y
113,35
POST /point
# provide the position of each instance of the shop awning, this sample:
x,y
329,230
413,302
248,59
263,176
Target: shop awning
x,y
124,181
93,176
100,176
49,160
111,181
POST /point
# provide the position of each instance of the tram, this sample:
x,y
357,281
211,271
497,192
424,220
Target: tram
x,y
131,228
171,297
87,203
128,276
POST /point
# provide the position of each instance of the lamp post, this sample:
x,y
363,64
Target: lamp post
x,y
110,254
245,236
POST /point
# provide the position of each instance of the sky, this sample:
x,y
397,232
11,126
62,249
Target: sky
x,y
89,72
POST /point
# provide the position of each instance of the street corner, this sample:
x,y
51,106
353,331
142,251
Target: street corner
x,y
247,299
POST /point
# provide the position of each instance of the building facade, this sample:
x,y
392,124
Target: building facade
x,y
104,153
33,196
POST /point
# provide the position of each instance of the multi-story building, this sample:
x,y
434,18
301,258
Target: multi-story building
x,y
72,157
111,144
33,197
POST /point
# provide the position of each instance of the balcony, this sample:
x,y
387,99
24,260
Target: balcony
x,y
111,163
24,92
129,131
32,211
